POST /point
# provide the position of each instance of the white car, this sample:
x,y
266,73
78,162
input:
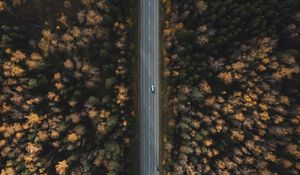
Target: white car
x,y
152,88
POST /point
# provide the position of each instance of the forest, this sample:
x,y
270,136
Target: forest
x,y
231,70
66,87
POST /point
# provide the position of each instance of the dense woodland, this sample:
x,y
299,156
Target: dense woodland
x,y
66,87
232,74
231,70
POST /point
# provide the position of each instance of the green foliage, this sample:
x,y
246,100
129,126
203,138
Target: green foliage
x,y
93,100
33,83
186,150
109,82
196,94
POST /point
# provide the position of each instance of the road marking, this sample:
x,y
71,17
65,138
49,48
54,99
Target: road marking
x,y
150,129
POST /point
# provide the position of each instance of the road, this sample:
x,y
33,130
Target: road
x,y
149,75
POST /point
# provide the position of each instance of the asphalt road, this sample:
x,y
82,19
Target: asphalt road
x,y
149,102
